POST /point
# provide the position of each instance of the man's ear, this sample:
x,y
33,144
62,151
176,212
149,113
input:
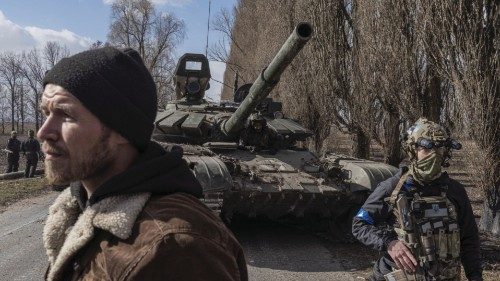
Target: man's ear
x,y
117,139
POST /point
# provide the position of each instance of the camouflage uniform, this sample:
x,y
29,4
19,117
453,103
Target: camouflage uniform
x,y
13,148
429,212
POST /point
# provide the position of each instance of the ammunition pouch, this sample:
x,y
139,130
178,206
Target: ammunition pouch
x,y
428,226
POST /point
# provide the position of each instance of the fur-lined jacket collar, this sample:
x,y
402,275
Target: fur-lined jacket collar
x,y
67,229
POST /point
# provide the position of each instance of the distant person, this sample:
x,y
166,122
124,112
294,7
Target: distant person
x,y
256,133
132,210
421,219
31,150
13,148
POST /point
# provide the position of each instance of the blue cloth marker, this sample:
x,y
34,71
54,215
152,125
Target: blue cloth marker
x,y
364,216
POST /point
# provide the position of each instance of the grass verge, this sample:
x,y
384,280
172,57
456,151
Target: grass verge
x,y
15,190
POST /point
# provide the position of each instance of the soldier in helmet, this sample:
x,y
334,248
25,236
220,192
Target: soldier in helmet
x,y
31,150
256,134
12,149
421,220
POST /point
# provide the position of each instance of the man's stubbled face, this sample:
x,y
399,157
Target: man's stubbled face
x,y
75,142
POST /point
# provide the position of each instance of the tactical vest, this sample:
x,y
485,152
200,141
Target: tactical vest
x,y
428,226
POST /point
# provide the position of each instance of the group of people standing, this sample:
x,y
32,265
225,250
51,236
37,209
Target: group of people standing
x,y
30,149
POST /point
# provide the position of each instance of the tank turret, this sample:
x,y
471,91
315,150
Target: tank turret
x,y
268,78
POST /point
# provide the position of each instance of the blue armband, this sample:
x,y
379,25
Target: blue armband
x,y
364,216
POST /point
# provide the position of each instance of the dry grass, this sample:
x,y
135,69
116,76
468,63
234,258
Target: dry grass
x,y
14,190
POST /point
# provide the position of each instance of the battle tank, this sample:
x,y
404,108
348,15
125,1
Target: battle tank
x,y
245,154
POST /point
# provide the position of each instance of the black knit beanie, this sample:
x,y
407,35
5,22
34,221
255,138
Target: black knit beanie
x,y
114,85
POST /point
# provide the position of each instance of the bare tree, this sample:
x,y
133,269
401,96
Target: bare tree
x,y
467,44
21,107
11,78
53,52
220,50
238,27
224,23
136,24
33,71
3,107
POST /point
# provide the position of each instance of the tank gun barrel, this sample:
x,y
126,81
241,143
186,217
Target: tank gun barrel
x,y
268,78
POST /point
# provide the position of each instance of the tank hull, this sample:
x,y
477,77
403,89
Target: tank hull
x,y
285,184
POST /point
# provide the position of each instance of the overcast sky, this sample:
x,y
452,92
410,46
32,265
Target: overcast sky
x,y
25,24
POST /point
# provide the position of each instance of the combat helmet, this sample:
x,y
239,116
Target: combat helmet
x,y
428,134
256,120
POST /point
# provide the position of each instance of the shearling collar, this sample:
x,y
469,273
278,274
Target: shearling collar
x,y
67,229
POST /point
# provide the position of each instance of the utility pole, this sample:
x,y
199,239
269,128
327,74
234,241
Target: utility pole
x,y
208,27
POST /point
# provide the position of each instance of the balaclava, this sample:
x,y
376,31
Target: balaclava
x,y
429,168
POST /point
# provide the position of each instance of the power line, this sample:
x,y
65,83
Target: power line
x,y
220,82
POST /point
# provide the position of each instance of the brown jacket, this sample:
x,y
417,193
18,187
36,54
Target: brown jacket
x,y
140,237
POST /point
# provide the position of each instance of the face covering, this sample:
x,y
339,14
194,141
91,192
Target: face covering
x,y
427,169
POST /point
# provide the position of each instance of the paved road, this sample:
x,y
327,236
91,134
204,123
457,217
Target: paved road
x,y
21,252
273,252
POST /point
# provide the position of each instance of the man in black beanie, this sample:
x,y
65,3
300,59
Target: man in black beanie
x,y
132,210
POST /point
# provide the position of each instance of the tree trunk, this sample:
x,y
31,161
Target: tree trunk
x,y
21,108
490,182
432,102
392,147
490,218
12,108
361,146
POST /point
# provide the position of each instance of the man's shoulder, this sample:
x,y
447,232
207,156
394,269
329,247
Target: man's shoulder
x,y
386,187
181,213
455,188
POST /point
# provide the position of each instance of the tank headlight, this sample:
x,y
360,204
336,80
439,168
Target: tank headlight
x,y
279,115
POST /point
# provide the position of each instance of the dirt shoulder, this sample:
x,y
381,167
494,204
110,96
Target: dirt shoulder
x,y
14,190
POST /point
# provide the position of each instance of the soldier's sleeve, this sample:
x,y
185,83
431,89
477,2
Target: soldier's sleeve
x,y
370,225
469,234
